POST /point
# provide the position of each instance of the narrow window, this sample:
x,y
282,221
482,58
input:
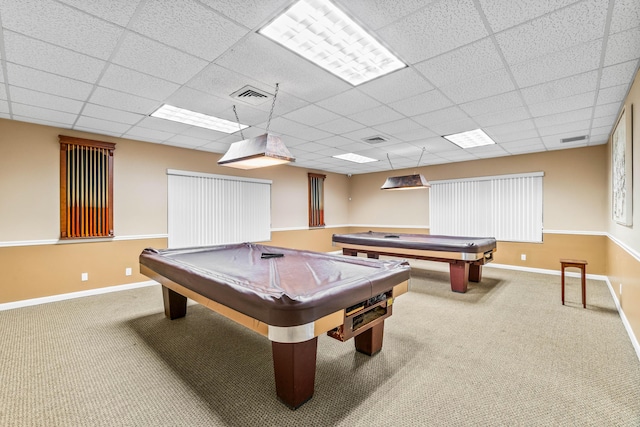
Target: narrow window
x,y
86,188
316,200
507,207
207,209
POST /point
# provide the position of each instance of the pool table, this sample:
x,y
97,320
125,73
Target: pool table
x,y
465,255
289,296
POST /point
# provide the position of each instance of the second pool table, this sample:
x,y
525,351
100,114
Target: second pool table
x,y
465,255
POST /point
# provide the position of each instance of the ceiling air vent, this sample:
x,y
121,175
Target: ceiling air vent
x,y
251,95
573,139
375,139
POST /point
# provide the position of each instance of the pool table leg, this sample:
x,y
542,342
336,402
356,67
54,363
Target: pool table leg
x,y
175,305
369,342
349,252
294,366
459,272
475,273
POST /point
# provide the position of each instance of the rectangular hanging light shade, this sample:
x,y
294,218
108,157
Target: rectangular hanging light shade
x,y
261,151
406,182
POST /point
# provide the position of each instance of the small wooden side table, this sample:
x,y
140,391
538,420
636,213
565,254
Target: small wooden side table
x,y
582,265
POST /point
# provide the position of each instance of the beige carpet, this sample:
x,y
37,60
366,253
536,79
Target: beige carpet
x,y
505,353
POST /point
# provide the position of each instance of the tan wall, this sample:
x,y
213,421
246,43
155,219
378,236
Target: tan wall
x,y
29,184
575,189
624,269
45,270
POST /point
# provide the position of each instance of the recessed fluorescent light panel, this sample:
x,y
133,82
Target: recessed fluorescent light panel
x,y
355,158
472,138
177,114
320,32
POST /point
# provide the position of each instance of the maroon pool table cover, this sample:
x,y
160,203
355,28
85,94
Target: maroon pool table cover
x,y
295,289
419,241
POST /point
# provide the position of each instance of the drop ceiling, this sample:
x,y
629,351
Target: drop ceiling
x,y
530,73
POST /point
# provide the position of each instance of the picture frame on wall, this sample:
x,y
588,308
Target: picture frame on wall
x,y
622,168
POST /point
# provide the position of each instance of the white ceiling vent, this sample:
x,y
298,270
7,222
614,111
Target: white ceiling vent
x,y
573,139
251,95
377,139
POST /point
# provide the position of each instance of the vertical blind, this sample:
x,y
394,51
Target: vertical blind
x,y
206,209
86,188
507,207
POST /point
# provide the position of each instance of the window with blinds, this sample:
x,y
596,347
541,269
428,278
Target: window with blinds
x,y
207,209
86,188
507,207
316,200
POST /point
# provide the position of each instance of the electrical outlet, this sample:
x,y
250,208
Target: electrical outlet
x,y
84,277
523,257
127,271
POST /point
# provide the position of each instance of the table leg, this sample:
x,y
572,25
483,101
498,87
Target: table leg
x,y
475,273
349,252
373,255
175,305
459,272
369,342
294,366
584,287
562,282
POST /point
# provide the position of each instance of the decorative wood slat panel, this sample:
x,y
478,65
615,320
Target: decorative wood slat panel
x,y
86,188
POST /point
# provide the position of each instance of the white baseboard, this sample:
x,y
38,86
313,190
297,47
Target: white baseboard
x,y
625,322
72,295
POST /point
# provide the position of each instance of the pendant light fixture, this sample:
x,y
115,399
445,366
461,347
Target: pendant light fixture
x,y
406,182
261,151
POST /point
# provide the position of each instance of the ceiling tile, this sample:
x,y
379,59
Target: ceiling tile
x,y
188,26
441,116
53,59
492,104
438,28
378,13
312,115
349,102
568,117
150,57
136,83
622,47
464,63
36,120
522,135
47,82
524,149
576,128
509,128
618,74
500,117
4,109
44,100
148,134
573,85
396,86
101,125
483,86
376,116
111,114
554,32
607,109
189,141
423,103
61,25
123,101
503,14
164,125
42,113
415,136
340,126
116,11
612,94
556,106
457,126
626,15
606,121
575,60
